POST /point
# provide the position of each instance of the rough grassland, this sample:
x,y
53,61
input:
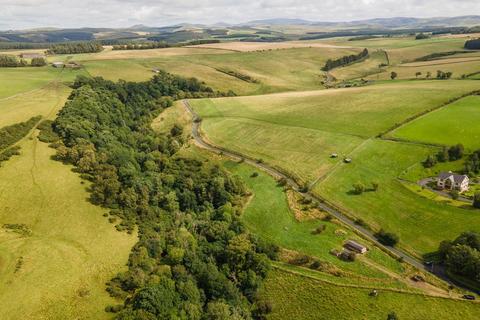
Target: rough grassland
x,y
276,70
296,297
455,123
421,223
369,66
60,270
45,102
268,215
403,49
245,46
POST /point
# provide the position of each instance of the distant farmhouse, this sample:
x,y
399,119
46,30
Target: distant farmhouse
x,y
58,64
451,181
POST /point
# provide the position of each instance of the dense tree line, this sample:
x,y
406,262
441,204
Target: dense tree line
x,y
345,60
452,153
9,135
75,47
472,44
422,36
159,44
462,255
436,55
194,258
9,61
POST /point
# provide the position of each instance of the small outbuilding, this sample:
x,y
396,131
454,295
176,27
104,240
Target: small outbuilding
x,y
355,247
58,64
334,155
347,160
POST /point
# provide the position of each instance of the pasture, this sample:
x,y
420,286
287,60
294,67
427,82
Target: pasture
x,y
297,131
295,296
273,70
455,123
58,267
421,223
18,80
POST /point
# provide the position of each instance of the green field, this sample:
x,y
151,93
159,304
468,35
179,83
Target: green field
x,y
18,80
301,129
72,249
297,297
275,70
455,123
420,222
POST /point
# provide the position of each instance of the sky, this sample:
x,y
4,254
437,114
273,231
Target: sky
x,y
22,14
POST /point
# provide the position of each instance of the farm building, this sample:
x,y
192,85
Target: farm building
x,y
58,64
334,155
355,246
451,181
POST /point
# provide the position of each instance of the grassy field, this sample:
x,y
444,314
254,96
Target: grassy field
x,y
268,215
455,123
297,297
298,131
18,80
275,70
59,269
403,49
369,66
420,222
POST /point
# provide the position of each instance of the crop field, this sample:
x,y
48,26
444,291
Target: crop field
x,y
57,267
298,131
294,296
256,46
455,123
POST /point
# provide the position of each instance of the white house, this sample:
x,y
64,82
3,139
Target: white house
x,y
451,181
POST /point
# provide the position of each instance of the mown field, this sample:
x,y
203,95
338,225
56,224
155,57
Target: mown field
x,y
455,123
302,129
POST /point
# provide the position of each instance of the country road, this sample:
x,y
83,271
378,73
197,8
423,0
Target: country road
x,y
368,234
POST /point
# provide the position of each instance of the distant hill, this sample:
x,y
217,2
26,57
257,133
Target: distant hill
x,y
396,22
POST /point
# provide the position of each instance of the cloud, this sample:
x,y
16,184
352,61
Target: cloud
x,y
16,14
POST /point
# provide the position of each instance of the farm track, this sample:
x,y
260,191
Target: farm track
x,y
365,233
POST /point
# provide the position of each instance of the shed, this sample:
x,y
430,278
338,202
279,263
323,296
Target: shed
x,y
58,64
334,155
347,160
355,246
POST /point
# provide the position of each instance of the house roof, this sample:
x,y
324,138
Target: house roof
x,y
457,178
355,245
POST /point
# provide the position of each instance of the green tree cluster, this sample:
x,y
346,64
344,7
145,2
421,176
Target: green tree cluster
x,y
194,258
75,47
345,60
462,255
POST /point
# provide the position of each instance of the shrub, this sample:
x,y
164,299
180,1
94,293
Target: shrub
x,y
387,238
254,175
358,188
476,200
319,229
